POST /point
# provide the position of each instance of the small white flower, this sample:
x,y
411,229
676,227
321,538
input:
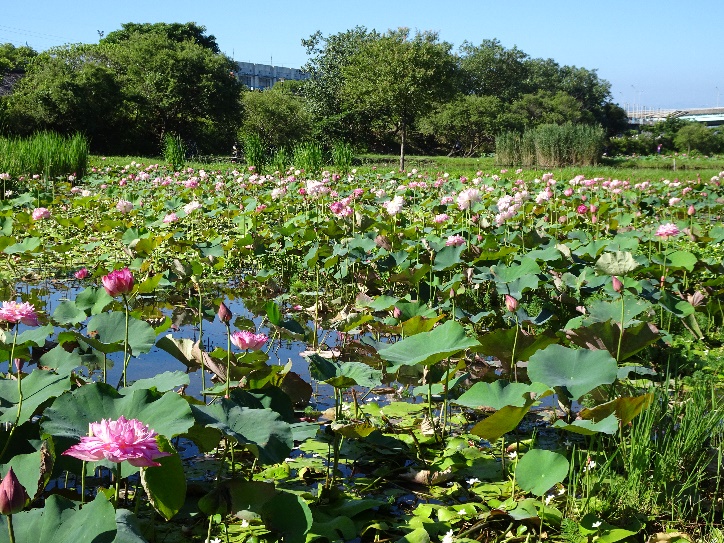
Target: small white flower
x,y
244,523
472,481
596,524
549,498
448,537
215,540
512,454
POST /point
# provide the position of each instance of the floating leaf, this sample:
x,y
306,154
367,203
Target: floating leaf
x,y
578,370
38,388
608,425
501,422
539,470
498,394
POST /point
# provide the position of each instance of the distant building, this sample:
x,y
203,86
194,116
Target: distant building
x,y
264,76
711,116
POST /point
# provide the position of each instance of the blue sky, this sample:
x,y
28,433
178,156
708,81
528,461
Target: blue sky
x,y
658,54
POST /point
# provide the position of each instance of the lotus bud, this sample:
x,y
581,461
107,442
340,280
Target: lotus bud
x,y
617,284
224,313
12,494
691,210
19,363
396,312
511,304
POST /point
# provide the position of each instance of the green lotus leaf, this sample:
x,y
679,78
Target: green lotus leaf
x,y
579,371
618,263
165,485
345,374
428,348
608,425
110,328
538,470
62,521
38,387
499,394
262,431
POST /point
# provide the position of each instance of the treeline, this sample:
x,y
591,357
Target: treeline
x,y
374,91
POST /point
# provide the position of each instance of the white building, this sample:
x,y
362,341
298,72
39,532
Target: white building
x,y
263,76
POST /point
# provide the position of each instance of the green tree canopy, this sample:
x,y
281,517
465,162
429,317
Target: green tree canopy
x,y
465,125
695,136
130,90
177,32
277,116
398,79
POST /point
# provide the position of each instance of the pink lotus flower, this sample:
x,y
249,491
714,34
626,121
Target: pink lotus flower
x,y
124,206
12,494
511,304
118,282
582,209
455,241
171,217
249,341
14,312
667,230
119,440
81,273
40,213
441,218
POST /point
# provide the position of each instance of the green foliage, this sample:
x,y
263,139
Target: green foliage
x,y
46,153
309,157
410,76
279,118
342,156
126,92
551,145
695,136
255,152
173,151
15,59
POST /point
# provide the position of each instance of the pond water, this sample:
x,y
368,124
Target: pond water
x,y
48,295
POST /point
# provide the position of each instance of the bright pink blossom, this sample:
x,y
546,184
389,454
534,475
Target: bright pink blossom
x,y
582,209
40,213
511,304
118,282
249,341
455,241
667,230
14,312
119,440
81,273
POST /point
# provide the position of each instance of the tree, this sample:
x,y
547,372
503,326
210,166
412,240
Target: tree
x,y
176,32
545,107
466,125
332,120
15,59
177,87
492,70
277,116
695,136
68,89
398,79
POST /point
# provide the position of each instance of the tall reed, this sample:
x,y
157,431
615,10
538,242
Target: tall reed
x,y
342,156
174,151
255,152
309,156
46,153
551,146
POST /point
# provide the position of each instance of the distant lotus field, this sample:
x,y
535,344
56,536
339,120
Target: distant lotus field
x,y
381,356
